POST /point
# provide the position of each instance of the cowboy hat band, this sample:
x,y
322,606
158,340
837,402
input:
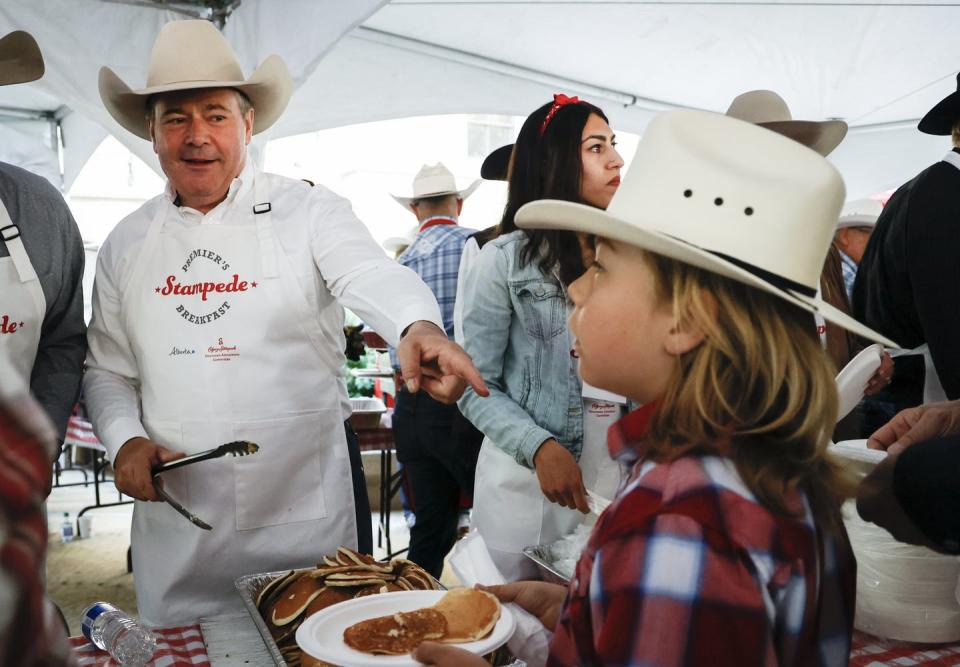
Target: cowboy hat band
x,y
725,196
767,109
193,55
20,58
941,118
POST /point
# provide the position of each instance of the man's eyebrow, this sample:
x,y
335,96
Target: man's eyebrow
x,y
208,107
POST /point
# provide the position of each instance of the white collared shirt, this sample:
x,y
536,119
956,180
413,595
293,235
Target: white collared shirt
x,y
309,222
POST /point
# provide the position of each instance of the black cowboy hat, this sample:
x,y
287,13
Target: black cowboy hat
x,y
495,165
940,119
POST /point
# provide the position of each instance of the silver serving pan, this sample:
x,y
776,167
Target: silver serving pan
x,y
542,555
249,587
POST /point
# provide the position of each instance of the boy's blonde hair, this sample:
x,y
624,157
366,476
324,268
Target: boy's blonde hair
x,y
759,389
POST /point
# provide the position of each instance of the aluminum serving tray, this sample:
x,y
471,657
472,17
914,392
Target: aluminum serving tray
x,y
542,555
250,586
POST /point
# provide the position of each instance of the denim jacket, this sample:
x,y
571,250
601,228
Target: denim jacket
x,y
515,328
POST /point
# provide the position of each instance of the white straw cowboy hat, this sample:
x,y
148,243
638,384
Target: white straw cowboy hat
x,y
434,181
394,243
20,58
767,109
860,213
728,197
190,55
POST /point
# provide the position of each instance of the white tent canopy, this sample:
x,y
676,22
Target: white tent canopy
x,y
877,66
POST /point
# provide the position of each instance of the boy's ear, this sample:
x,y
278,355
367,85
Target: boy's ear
x,y
686,335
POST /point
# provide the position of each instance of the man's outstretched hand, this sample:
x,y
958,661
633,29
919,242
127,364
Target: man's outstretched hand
x,y
432,362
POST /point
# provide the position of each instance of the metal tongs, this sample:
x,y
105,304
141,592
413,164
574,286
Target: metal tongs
x,y
237,448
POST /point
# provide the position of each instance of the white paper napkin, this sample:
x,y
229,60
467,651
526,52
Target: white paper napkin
x,y
471,562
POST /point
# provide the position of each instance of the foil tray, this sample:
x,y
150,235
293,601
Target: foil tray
x,y
249,587
542,555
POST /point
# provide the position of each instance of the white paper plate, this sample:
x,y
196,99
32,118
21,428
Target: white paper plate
x,y
857,457
321,635
852,380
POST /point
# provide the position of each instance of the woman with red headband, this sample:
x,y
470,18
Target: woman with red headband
x,y
536,461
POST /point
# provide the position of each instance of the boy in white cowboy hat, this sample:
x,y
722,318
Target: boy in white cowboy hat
x,y
42,331
218,315
437,465
907,281
725,545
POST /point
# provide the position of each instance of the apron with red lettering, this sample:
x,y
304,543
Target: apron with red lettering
x,y
229,348
22,304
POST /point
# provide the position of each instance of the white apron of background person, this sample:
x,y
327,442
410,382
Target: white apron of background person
x,y
247,362
22,304
509,508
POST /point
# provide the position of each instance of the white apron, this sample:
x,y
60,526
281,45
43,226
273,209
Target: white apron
x,y
22,304
229,349
509,508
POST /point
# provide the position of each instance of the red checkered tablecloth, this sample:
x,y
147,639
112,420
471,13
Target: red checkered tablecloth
x,y
175,647
870,651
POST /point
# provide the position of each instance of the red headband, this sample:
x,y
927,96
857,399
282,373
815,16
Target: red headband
x,y
559,100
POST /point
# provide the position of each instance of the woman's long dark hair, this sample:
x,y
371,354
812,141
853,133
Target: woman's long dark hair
x,y
549,167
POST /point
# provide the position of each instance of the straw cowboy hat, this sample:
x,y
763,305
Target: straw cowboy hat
x,y
434,181
725,196
940,119
394,243
190,55
860,213
20,58
767,109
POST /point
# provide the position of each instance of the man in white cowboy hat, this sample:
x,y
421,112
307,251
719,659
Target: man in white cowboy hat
x,y
42,331
218,316
854,228
437,466
907,282
767,109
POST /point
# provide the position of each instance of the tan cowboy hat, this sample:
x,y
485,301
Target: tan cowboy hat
x,y
725,196
193,54
767,109
20,58
860,213
434,181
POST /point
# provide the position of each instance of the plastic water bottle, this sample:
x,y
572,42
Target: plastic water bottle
x,y
66,529
127,642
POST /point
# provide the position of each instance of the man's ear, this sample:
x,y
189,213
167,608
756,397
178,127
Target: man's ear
x,y
152,131
686,335
459,206
416,209
248,125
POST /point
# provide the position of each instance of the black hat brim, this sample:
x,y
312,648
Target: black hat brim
x,y
496,165
940,119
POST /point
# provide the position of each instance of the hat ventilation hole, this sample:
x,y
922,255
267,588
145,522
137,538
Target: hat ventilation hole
x,y
748,210
718,201
688,193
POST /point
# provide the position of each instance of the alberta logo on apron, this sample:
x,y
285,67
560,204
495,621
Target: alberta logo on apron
x,y
208,290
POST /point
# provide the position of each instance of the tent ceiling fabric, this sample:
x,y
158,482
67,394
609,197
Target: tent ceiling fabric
x,y
878,66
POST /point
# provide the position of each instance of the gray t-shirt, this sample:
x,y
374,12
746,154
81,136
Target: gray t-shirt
x,y
55,248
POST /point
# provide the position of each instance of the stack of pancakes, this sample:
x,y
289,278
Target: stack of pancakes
x,y
285,601
462,615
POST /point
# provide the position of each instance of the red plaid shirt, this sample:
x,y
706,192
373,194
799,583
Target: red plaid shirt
x,y
686,568
31,633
